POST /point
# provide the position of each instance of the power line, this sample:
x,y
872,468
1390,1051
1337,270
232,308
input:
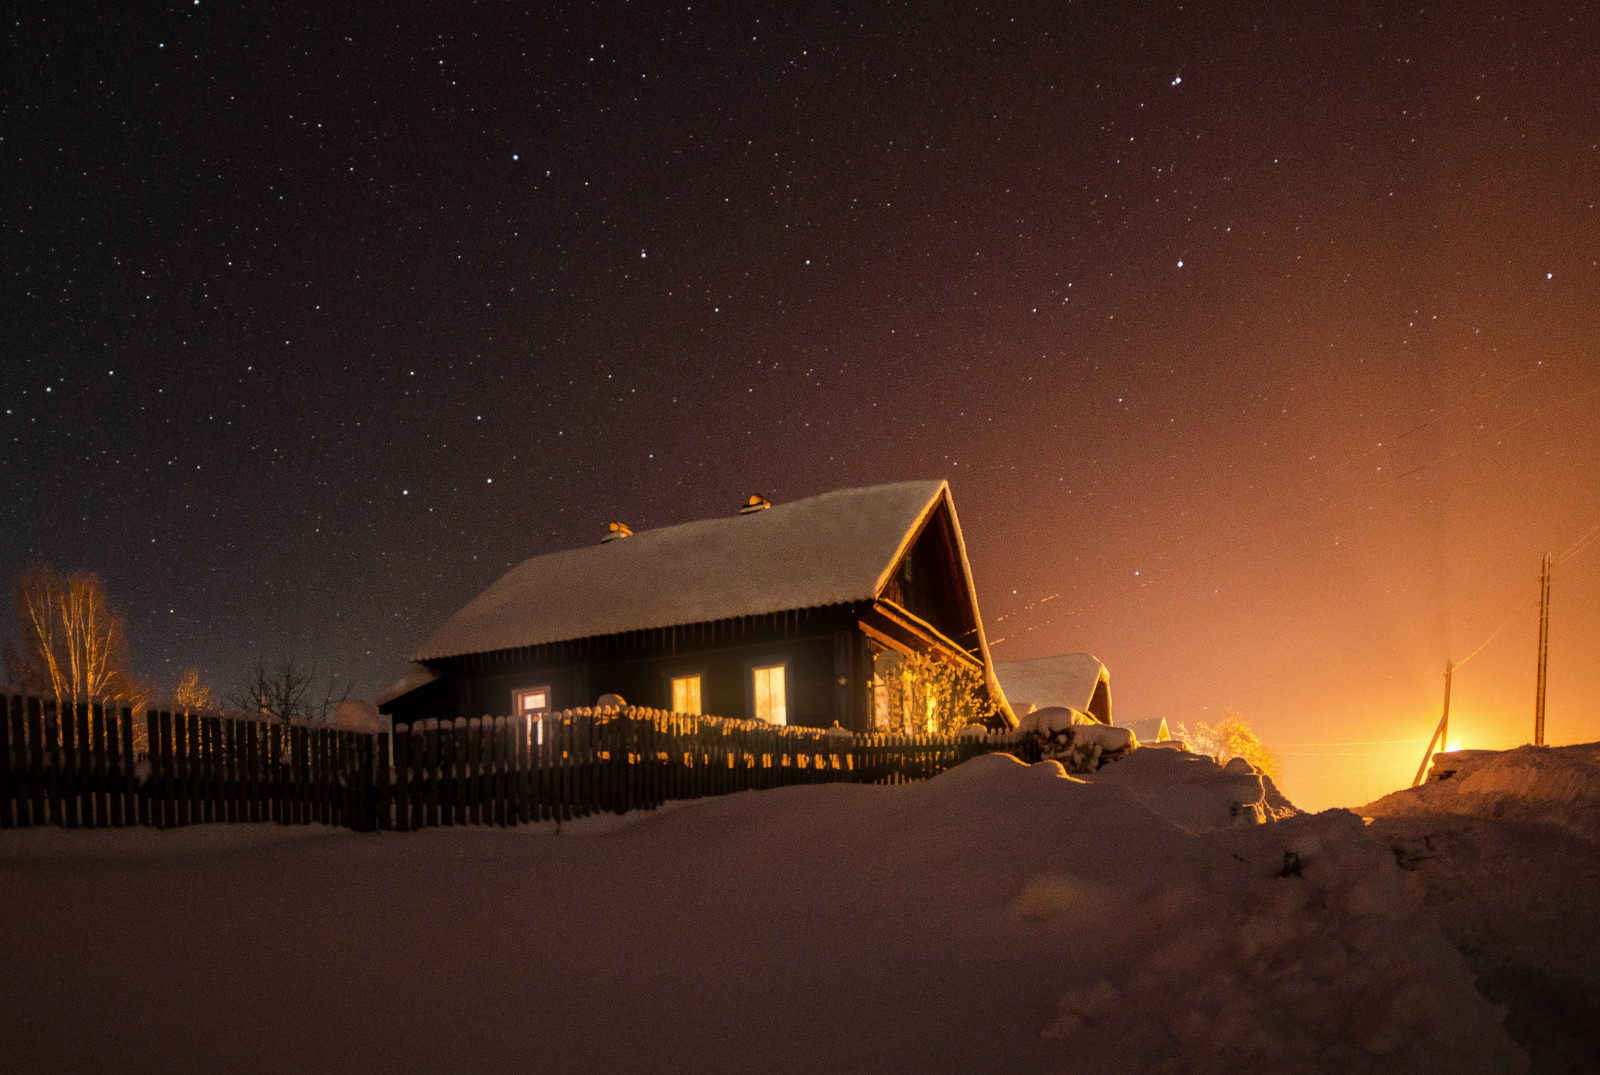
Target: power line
x,y
1424,425
1497,630
1578,546
1187,568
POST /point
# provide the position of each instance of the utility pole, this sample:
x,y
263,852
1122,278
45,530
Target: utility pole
x,y
1442,732
1544,649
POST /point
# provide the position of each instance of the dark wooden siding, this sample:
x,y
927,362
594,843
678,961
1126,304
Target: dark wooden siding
x,y
929,584
820,646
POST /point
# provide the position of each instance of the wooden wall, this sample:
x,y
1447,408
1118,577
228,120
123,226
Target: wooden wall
x,y
821,646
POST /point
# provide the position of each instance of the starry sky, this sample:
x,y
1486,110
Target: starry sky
x,y
1258,342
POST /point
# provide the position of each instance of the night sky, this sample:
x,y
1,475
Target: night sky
x,y
1258,344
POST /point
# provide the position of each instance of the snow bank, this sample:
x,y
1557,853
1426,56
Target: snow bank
x,y
1320,965
1557,786
998,918
1503,854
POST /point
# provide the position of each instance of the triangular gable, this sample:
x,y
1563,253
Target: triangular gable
x,y
1076,680
928,580
946,550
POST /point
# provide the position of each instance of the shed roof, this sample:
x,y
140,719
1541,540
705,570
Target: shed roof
x,y
830,549
1150,729
1065,680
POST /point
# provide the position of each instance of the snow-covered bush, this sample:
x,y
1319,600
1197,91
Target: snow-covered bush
x,y
1076,740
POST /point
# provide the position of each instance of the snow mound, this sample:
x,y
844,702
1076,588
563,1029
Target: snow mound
x,y
1501,850
1557,786
1194,792
1052,719
1322,965
1075,739
1000,917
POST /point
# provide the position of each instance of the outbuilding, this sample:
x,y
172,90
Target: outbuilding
x,y
1069,680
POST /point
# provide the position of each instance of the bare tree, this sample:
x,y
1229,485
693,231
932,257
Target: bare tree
x,y
190,693
72,643
288,693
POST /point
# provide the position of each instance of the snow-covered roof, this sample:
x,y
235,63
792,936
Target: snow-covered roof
x,y
830,549
1149,730
1065,680
419,676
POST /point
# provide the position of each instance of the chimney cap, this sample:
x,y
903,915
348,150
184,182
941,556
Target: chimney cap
x,y
615,531
757,502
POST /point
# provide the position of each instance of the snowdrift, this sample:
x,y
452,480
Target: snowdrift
x,y
1557,786
1193,792
1502,848
1001,917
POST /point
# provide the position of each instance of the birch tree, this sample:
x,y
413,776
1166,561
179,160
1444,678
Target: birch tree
x,y
71,644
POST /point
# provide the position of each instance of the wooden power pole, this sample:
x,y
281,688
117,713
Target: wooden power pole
x,y
1544,649
1442,732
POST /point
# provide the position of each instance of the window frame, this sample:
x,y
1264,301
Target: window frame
x,y
686,673
783,661
519,693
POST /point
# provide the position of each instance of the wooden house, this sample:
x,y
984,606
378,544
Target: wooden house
x,y
784,613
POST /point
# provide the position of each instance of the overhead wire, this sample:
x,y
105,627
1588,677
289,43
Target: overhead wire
x,y
1578,546
1501,387
1185,569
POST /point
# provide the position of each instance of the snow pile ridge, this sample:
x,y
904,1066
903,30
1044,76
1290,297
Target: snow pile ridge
x,y
1194,792
1000,917
1557,786
1322,965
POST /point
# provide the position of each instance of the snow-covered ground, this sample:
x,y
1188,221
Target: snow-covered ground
x,y
1001,917
1505,856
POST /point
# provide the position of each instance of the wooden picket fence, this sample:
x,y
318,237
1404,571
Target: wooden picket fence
x,y
511,770
78,768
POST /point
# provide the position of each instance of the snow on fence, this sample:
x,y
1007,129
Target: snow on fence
x,y
80,769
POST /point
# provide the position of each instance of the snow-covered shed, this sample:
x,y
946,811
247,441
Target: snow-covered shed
x,y
1074,680
1149,730
775,612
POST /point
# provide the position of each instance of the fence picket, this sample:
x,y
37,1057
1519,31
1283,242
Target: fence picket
x,y
401,745
86,786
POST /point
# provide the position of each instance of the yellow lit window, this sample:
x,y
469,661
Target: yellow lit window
x,y
686,694
533,702
771,698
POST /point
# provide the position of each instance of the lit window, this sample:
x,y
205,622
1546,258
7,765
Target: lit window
x,y
771,698
686,694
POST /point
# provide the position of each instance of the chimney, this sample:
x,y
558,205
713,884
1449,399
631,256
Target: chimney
x,y
617,530
757,502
